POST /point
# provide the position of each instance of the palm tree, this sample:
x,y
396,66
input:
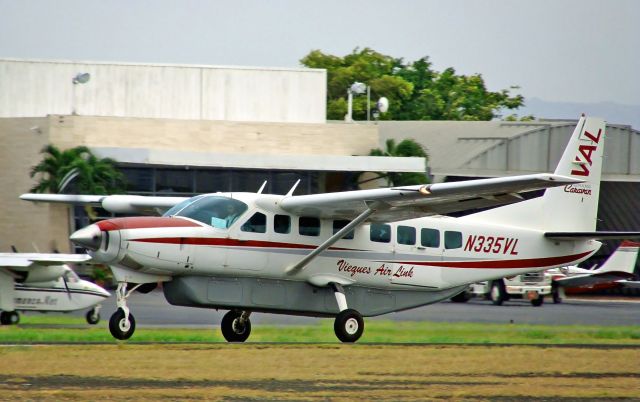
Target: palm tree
x,y
407,147
90,174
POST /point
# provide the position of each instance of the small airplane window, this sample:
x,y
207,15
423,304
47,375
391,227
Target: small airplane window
x,y
430,238
452,240
406,235
339,224
309,226
282,224
256,224
380,232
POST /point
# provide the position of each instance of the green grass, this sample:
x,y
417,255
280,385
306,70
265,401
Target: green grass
x,y
43,329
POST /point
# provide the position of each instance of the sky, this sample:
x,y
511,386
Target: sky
x,y
584,51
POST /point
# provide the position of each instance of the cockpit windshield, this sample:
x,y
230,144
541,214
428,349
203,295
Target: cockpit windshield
x,y
219,212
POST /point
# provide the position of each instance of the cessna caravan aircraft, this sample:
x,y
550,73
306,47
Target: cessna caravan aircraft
x,y
45,283
346,255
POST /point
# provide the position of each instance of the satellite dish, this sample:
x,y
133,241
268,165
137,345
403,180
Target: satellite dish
x,y
383,104
81,78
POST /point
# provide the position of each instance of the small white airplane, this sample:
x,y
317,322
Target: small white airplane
x,y
616,270
347,254
45,283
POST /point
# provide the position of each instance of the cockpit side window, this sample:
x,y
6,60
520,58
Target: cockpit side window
x,y
219,212
257,224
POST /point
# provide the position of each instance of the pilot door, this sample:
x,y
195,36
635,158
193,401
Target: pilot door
x,y
249,243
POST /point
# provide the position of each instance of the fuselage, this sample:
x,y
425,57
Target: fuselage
x,y
432,253
54,296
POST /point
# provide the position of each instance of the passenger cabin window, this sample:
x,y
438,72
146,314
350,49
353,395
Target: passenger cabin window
x,y
256,224
452,240
282,224
309,226
430,238
380,232
219,212
406,235
339,224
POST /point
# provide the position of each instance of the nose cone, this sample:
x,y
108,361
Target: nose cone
x,y
89,237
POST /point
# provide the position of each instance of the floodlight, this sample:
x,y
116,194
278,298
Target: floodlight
x,y
81,78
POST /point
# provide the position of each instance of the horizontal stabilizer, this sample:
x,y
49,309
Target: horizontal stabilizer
x,y
592,235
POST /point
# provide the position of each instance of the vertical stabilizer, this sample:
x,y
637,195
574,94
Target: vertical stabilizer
x,y
573,207
623,259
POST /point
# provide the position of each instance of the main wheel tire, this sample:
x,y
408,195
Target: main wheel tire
x,y
349,325
119,328
462,297
92,317
537,302
497,293
9,318
232,328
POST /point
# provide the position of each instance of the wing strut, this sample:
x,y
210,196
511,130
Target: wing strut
x,y
294,269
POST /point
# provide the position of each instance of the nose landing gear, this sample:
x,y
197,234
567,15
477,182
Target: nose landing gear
x,y
122,323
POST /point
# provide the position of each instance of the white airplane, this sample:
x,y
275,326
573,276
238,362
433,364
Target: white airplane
x,y
617,269
347,254
45,283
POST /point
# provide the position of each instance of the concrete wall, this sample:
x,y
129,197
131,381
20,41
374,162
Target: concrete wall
x,y
213,136
39,88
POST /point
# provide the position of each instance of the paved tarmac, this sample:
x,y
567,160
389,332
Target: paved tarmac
x,y
153,310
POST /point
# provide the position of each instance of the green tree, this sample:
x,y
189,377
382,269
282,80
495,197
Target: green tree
x,y
93,175
407,148
415,91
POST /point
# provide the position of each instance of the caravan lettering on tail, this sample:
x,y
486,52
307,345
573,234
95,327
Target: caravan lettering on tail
x,y
583,159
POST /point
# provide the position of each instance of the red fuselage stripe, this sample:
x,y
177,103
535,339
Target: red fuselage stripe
x,y
212,241
523,263
493,264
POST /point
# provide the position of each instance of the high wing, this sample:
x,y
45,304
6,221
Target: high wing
x,y
400,203
124,204
25,260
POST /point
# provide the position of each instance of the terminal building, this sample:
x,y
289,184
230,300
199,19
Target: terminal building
x,y
187,129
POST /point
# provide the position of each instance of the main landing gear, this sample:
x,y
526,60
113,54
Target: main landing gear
x,y
236,326
349,324
122,324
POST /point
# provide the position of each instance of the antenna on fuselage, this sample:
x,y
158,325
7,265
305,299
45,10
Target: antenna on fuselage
x,y
293,188
262,187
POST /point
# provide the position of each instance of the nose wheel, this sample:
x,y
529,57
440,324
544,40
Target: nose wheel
x,y
122,324
236,326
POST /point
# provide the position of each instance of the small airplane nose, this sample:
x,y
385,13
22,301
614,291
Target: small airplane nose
x,y
89,237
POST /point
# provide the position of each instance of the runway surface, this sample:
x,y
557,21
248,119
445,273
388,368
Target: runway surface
x,y
153,310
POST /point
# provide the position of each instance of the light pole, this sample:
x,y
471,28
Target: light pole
x,y
80,78
357,88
